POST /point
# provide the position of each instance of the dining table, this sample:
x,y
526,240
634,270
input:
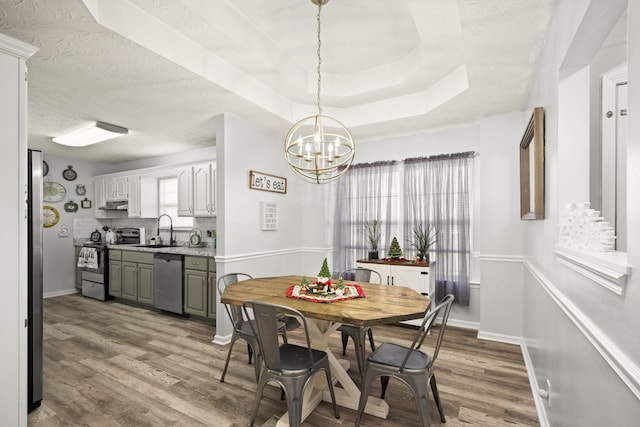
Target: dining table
x,y
378,305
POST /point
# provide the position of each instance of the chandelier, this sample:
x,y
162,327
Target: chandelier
x,y
319,148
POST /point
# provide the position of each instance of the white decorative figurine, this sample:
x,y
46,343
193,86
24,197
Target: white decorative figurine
x,y
583,228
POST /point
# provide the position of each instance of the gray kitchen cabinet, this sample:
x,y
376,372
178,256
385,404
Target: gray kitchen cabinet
x,y
78,284
195,292
145,284
130,280
137,276
198,286
213,290
115,273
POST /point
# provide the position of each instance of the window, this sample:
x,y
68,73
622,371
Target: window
x,y
401,196
168,203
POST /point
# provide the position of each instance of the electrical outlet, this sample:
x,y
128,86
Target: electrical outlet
x,y
548,393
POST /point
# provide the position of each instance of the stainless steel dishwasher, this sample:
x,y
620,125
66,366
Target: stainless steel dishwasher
x,y
167,271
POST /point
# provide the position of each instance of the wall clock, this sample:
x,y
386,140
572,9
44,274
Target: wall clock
x,y
71,206
45,168
50,216
80,190
53,191
69,174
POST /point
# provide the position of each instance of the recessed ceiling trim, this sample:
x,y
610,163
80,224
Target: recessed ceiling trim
x,y
452,85
140,27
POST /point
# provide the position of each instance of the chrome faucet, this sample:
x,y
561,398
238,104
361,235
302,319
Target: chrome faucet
x,y
171,239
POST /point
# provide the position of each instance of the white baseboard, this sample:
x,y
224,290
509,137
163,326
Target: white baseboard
x,y
60,293
507,339
464,324
540,404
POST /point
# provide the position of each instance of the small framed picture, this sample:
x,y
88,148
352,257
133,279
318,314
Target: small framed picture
x,y
86,203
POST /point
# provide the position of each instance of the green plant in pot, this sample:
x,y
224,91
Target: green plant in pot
x,y
424,236
373,236
395,251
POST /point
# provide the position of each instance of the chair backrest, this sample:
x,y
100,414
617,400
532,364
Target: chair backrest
x,y
440,311
266,316
360,274
234,311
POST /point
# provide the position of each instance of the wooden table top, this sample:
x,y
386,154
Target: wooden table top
x,y
382,304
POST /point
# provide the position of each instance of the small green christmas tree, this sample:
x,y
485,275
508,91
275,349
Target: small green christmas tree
x,y
394,250
324,271
305,281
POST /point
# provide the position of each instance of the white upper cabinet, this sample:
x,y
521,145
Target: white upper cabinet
x,y
115,188
143,196
185,191
99,198
204,190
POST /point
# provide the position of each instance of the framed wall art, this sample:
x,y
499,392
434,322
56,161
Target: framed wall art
x,y
532,167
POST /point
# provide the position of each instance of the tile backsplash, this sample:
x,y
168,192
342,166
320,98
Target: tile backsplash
x,y
83,227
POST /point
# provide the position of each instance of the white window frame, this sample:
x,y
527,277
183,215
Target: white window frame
x,y
170,207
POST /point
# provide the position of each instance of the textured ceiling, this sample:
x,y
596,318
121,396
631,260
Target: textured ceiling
x,y
165,68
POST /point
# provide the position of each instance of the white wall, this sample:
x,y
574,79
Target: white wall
x,y
59,253
579,335
299,244
496,293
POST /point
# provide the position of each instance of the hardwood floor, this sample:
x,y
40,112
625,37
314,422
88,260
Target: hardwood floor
x,y
110,364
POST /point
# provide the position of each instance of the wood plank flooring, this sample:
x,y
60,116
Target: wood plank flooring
x,y
110,364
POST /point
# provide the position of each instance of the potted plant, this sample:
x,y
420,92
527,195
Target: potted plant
x,y
373,235
423,238
394,250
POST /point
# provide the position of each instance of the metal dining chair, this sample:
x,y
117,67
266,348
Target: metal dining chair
x,y
359,333
291,366
242,328
410,365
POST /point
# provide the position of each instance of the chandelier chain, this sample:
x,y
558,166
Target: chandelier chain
x,y
319,58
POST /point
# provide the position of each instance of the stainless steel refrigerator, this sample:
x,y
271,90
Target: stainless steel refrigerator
x,y
35,267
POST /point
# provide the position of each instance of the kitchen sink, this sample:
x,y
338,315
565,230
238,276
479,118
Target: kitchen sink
x,y
155,246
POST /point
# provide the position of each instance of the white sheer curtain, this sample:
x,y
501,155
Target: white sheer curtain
x,y
366,192
437,191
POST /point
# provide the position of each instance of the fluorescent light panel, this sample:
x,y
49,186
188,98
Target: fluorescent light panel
x,y
93,134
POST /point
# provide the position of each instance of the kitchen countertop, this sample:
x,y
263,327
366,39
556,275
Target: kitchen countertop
x,y
182,250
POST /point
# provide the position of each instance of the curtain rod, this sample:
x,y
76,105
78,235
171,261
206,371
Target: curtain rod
x,y
461,155
464,154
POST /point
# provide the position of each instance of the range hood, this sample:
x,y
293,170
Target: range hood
x,y
120,205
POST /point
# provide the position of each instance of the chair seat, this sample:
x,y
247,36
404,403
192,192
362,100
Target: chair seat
x,y
295,359
393,355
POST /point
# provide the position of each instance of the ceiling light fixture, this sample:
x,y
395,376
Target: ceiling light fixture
x,y
319,148
93,134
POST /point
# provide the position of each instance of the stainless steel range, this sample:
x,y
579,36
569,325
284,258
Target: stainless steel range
x,y
94,260
95,271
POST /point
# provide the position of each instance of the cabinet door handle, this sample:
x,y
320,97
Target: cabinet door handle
x,y
424,272
392,281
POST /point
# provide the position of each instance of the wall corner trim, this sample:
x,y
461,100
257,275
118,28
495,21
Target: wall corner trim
x,y
608,269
